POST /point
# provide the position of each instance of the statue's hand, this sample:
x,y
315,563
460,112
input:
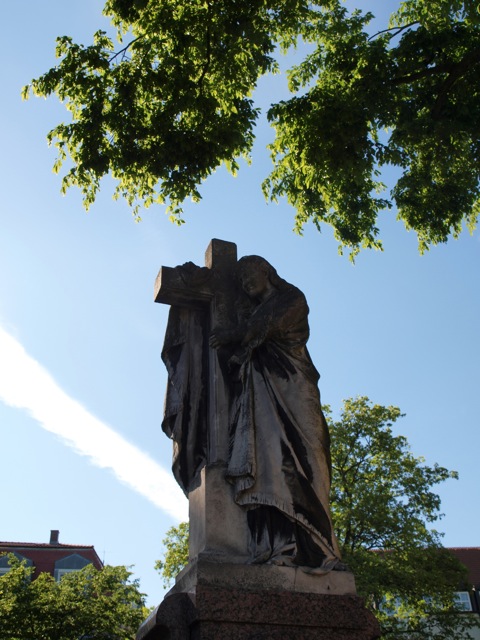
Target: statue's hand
x,y
219,337
236,359
238,362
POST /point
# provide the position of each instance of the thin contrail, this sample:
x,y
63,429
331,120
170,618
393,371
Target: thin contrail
x,y
26,385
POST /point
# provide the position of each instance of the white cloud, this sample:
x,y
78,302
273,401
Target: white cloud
x,y
26,385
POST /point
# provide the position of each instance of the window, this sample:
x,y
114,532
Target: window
x,y
59,573
74,562
462,600
5,563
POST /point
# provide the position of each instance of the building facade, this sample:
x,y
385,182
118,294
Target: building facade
x,y
469,597
52,557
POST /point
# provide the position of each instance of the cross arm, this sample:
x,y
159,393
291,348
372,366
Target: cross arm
x,y
186,285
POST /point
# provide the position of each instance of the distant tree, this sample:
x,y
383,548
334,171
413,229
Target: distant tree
x,y
176,553
383,507
174,101
90,603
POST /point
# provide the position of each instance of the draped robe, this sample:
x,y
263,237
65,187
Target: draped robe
x,y
280,448
279,455
185,411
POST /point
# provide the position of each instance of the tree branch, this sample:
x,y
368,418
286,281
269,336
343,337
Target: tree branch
x,y
125,49
455,74
397,30
424,73
454,70
208,60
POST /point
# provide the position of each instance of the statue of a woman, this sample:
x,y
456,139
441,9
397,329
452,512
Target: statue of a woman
x,y
279,463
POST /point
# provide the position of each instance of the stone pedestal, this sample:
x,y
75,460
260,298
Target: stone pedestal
x,y
218,526
218,601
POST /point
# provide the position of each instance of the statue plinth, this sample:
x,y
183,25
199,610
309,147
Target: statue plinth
x,y
205,572
217,524
210,611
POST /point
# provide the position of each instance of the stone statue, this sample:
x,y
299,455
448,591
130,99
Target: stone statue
x,y
243,401
251,452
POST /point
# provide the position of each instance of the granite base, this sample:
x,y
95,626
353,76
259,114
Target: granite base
x,y
218,602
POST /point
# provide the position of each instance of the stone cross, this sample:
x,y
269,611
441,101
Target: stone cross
x,y
217,525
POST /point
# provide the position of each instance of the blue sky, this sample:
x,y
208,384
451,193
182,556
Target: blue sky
x,y
81,380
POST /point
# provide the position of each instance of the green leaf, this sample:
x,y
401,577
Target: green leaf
x,y
174,101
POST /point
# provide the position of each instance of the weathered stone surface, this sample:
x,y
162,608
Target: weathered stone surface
x,y
217,524
243,401
251,451
232,601
170,620
261,578
219,614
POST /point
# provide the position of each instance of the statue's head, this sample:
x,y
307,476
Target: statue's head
x,y
257,277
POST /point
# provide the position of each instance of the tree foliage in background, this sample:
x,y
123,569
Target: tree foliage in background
x,y
176,553
383,508
174,100
99,605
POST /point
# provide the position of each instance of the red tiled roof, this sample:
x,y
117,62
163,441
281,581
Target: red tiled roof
x,y
44,556
39,545
470,557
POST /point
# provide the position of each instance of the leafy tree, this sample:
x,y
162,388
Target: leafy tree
x,y
176,553
174,101
93,604
383,507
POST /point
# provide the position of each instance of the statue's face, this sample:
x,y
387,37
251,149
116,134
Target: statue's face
x,y
254,281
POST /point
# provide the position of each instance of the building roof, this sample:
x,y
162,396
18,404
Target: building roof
x,y
45,555
43,545
470,557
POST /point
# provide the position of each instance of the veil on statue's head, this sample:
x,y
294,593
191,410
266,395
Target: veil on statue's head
x,y
257,262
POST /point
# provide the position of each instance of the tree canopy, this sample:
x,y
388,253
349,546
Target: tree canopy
x,y
383,507
176,553
99,605
175,99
